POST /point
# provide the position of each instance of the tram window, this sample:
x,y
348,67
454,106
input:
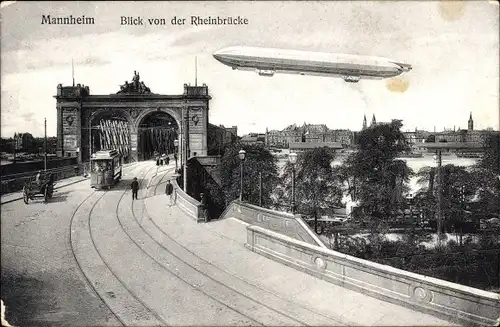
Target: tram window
x,y
95,166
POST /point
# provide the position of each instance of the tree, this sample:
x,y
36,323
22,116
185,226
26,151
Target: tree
x,y
430,139
460,186
487,175
425,199
317,185
376,178
491,156
28,142
7,145
257,159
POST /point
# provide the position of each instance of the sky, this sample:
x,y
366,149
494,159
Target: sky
x,y
452,46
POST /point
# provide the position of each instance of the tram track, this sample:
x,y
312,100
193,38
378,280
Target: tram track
x,y
171,271
177,275
314,312
161,179
231,289
108,267
88,281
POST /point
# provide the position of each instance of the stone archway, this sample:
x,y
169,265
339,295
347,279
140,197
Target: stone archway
x,y
156,132
78,111
110,129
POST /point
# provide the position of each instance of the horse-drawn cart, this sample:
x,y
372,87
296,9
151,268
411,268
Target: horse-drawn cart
x,y
42,188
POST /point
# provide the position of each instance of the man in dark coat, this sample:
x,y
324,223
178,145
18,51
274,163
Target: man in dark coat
x,y
204,207
169,191
135,188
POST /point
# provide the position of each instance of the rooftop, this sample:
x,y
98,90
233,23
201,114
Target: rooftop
x,y
314,145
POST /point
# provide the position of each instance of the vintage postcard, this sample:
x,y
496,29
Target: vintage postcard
x,y
263,163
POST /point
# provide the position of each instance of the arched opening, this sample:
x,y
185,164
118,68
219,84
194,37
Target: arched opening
x,y
156,134
111,131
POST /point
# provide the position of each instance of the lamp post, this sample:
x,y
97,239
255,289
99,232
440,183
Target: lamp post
x,y
241,154
176,145
292,157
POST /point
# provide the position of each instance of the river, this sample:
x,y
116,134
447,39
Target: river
x,y
414,163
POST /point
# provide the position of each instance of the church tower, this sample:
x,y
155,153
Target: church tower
x,y
374,121
364,121
471,122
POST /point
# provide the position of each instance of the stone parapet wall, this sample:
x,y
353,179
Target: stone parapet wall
x,y
280,222
186,203
454,302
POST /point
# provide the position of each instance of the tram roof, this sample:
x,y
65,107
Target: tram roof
x,y
105,154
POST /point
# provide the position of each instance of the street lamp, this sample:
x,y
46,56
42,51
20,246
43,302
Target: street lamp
x,y
241,154
176,145
292,157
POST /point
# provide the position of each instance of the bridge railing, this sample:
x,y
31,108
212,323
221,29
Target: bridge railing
x,y
186,203
281,222
454,302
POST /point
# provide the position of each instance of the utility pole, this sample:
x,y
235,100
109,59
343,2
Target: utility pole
x,y
293,192
45,146
440,197
186,146
195,71
15,146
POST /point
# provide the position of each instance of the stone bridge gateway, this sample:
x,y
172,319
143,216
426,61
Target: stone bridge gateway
x,y
124,113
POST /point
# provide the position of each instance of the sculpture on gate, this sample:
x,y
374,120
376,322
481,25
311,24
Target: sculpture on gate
x,y
136,87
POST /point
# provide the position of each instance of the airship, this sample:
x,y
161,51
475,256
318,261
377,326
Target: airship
x,y
268,61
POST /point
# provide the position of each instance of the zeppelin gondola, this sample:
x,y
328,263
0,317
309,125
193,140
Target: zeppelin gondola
x,y
106,169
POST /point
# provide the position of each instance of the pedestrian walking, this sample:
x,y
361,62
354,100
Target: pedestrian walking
x,y
169,191
204,207
167,160
157,161
135,188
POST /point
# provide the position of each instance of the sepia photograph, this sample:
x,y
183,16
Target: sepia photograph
x,y
250,163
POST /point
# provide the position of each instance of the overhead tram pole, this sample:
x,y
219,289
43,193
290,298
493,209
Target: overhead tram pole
x,y
45,146
440,196
260,189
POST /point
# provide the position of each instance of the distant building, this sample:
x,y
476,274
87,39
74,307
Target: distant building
x,y
416,136
304,146
219,137
233,129
461,135
309,133
254,138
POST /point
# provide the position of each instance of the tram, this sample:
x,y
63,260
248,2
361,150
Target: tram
x,y
106,169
